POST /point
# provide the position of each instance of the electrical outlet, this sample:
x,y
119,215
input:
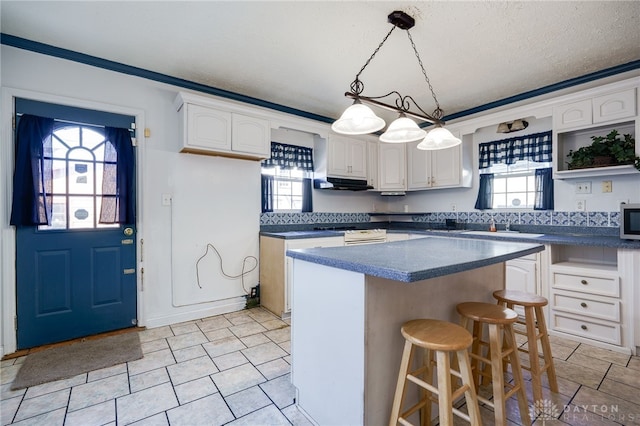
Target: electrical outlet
x,y
454,207
607,186
166,199
581,205
583,188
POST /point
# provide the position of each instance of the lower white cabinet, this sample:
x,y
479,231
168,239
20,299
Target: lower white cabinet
x,y
588,298
522,275
276,269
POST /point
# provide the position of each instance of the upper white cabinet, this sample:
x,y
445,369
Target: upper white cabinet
x,y
372,165
207,129
575,123
433,169
614,106
572,115
347,157
599,109
391,167
250,135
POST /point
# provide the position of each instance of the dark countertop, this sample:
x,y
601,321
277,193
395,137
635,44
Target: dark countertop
x,y
295,235
565,239
418,259
575,239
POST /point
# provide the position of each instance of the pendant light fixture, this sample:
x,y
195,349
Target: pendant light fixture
x,y
359,119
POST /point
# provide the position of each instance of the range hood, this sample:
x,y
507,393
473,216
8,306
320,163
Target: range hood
x,y
341,184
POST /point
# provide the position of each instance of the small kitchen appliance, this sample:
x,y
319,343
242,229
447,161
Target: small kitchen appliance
x,y
630,221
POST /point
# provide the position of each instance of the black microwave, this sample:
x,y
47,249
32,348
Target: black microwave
x,y
630,221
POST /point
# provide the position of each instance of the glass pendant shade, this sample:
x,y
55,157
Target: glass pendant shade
x,y
439,138
358,119
503,128
402,130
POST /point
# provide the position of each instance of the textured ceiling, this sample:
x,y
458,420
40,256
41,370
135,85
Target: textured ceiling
x,y
304,55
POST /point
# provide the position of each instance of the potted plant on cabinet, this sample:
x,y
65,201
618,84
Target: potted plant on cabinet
x,y
610,150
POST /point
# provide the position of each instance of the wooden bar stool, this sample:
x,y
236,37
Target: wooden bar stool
x,y
536,329
442,339
501,349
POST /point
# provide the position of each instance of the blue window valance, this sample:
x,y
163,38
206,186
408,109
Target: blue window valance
x,y
534,147
288,157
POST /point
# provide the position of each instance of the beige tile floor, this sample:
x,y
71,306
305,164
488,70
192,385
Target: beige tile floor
x,y
234,369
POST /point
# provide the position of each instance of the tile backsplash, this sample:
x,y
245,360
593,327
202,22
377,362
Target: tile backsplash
x,y
547,218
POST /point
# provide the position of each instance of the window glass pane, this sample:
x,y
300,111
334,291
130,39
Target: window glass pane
x,y
70,135
499,185
58,214
59,183
517,200
81,177
59,148
517,184
81,212
80,154
499,200
90,138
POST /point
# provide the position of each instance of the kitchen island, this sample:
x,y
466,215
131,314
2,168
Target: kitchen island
x,y
350,303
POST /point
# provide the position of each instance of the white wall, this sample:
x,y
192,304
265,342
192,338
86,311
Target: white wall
x,y
215,200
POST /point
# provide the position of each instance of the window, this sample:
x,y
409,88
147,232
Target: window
x,y
286,179
514,186
78,164
516,173
287,188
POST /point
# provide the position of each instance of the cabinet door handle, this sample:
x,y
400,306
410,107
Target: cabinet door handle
x,y
584,327
584,282
584,305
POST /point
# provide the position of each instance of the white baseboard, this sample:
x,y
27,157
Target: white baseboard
x,y
232,305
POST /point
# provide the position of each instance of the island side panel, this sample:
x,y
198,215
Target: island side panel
x,y
327,342
272,267
389,304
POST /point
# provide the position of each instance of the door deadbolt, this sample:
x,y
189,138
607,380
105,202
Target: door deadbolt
x,y
128,232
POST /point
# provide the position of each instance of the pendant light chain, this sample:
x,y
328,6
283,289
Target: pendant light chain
x,y
357,86
437,113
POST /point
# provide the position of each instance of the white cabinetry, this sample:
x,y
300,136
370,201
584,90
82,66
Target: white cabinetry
x,y
599,109
372,165
208,128
576,122
433,169
250,135
391,167
276,269
522,275
347,157
587,297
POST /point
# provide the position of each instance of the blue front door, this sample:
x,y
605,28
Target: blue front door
x,y
75,277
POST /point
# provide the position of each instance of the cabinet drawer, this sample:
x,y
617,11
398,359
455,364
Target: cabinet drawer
x,y
602,309
601,331
606,286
